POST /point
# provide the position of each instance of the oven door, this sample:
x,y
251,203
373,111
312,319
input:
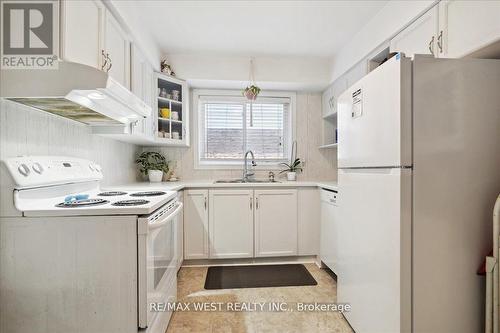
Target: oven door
x,y
157,266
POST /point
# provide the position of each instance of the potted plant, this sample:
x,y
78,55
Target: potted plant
x,y
251,92
292,169
153,165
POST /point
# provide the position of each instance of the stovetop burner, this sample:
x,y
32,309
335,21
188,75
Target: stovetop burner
x,y
130,203
82,203
111,193
147,194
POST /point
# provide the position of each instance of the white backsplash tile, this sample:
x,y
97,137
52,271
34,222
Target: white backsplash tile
x,y
319,164
26,131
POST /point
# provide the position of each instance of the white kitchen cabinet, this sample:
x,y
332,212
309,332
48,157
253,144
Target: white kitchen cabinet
x,y
138,64
196,224
308,221
149,88
141,84
326,101
329,107
171,114
329,229
420,37
117,50
231,223
467,26
275,223
356,73
330,95
82,32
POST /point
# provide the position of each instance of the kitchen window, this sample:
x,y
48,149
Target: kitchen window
x,y
229,125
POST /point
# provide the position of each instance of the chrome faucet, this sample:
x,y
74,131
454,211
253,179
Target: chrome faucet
x,y
246,173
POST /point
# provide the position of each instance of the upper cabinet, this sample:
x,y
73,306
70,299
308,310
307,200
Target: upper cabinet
x,y
90,35
330,95
141,84
172,111
82,26
117,50
420,37
467,26
354,75
451,29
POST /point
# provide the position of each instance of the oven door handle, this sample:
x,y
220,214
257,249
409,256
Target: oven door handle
x,y
170,216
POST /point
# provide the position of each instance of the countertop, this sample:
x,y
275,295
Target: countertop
x,y
180,185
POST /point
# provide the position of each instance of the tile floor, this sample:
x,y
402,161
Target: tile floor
x,y
190,289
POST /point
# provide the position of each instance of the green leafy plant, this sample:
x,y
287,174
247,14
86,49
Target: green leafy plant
x,y
295,166
151,160
251,92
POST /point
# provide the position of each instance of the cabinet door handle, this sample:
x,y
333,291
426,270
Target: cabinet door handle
x,y
205,203
256,203
105,60
431,45
440,41
251,203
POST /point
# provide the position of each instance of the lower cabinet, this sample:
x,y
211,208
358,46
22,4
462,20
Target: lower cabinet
x,y
308,224
231,224
196,224
275,223
247,223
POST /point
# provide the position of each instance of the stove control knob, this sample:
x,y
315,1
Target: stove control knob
x,y
37,168
24,170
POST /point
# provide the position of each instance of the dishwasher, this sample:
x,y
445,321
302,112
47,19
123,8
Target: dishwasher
x,y
329,229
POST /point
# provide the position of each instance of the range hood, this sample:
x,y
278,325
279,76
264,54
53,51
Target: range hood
x,y
75,91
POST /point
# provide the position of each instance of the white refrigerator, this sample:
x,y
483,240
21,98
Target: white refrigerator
x,y
419,171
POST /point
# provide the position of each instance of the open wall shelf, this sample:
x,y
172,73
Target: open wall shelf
x,y
172,112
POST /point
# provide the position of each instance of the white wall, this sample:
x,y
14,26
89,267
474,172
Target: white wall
x,y
319,164
26,131
275,73
385,24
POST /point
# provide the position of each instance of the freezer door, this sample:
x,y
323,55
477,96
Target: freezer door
x,y
456,182
374,118
374,261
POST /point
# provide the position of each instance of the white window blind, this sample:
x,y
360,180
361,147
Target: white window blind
x,y
226,131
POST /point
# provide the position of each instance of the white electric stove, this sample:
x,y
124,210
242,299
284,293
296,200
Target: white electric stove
x,y
76,256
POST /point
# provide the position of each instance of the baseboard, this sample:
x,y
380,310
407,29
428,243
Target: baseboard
x,y
250,261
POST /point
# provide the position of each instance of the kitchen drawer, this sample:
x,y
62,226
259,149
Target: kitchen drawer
x,y
329,196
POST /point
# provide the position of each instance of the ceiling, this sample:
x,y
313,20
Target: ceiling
x,y
249,28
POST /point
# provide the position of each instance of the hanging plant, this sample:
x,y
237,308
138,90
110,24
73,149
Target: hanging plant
x,y
251,92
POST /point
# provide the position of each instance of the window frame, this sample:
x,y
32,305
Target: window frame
x,y
235,165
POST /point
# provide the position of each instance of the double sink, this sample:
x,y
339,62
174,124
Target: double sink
x,y
244,181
